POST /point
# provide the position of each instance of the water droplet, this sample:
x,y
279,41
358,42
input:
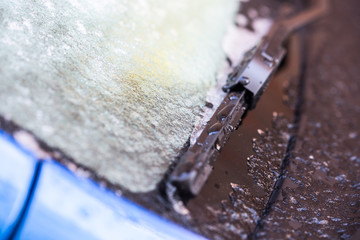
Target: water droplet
x,y
212,133
261,132
223,113
293,200
218,147
311,157
215,128
341,177
230,128
234,186
352,135
268,62
244,80
232,97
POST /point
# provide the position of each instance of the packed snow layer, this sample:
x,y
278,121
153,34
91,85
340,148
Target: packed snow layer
x,y
115,84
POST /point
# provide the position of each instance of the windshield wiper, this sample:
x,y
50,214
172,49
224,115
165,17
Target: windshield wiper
x,y
244,87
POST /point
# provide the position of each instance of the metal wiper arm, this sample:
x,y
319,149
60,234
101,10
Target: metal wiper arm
x,y
244,86
261,62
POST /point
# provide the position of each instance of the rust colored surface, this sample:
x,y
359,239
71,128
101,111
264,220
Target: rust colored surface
x,y
236,194
320,197
300,178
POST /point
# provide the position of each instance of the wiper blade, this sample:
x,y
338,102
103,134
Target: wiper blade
x,y
244,87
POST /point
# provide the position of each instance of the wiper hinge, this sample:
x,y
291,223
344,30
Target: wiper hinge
x,y
261,62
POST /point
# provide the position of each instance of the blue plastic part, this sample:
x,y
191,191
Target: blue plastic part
x,y
65,206
17,169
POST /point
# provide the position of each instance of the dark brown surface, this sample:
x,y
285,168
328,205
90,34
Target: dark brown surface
x,y
305,190
237,192
320,196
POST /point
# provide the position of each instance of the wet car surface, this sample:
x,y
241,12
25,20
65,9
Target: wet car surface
x,y
320,195
291,170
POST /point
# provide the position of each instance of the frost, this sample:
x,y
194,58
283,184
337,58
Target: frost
x,y
115,84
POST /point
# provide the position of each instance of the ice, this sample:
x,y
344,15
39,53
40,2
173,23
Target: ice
x,y
115,84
